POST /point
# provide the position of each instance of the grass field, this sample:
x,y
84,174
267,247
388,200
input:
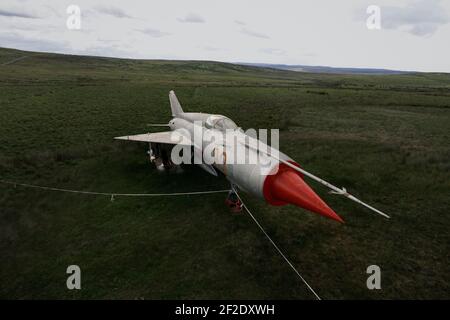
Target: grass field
x,y
385,138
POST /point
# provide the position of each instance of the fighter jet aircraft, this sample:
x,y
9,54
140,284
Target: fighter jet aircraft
x,y
274,177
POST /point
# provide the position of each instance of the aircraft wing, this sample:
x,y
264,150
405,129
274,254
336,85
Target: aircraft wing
x,y
167,137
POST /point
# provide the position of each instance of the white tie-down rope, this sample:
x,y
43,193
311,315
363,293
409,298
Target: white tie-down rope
x,y
278,249
113,194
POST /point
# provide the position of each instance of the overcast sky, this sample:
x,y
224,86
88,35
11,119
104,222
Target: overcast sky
x,y
414,34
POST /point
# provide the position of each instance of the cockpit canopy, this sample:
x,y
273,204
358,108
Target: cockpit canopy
x,y
221,123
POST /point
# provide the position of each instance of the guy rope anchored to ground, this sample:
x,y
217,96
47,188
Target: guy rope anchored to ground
x,y
112,194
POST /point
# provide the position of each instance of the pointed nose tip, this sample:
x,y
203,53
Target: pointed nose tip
x,y
288,187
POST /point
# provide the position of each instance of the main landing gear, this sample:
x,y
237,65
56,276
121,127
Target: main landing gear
x,y
159,156
233,202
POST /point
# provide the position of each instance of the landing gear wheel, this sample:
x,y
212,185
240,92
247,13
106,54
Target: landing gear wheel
x,y
233,202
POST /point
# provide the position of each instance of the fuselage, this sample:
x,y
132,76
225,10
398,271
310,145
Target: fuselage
x,y
247,162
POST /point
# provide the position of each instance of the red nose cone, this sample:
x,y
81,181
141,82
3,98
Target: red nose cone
x,y
287,186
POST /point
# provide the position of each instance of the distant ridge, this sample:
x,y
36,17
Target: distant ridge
x,y
325,69
12,56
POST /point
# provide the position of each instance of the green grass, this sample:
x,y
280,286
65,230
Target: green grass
x,y
385,138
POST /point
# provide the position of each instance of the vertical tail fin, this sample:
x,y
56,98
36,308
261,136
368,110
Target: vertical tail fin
x,y
174,104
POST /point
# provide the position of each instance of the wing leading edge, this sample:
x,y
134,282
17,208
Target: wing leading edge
x,y
167,137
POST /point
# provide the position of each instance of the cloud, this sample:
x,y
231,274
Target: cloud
x,y
255,34
16,14
419,17
112,11
155,33
209,48
192,18
239,22
273,51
